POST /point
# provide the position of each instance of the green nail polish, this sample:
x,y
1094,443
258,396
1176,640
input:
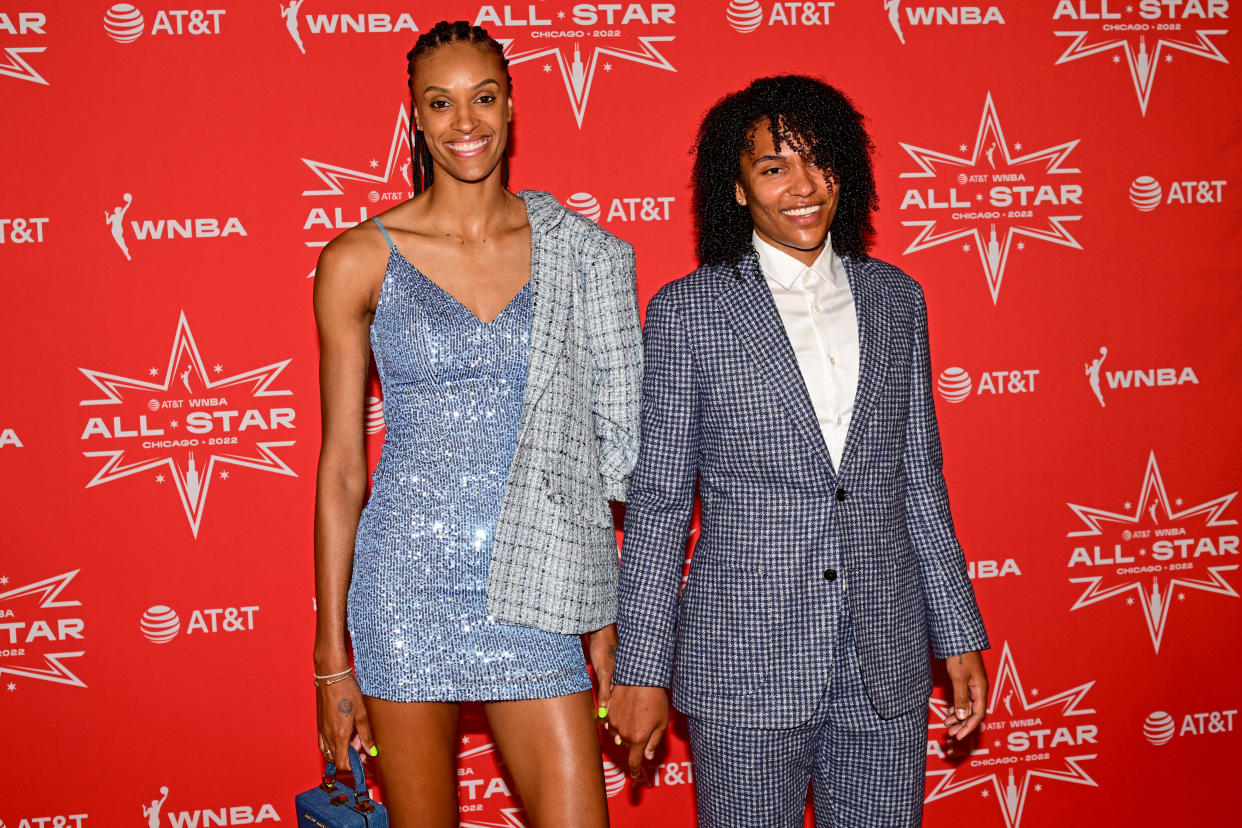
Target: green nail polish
x,y
374,751
603,712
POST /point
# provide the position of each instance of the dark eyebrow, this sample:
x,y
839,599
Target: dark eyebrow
x,y
769,158
478,85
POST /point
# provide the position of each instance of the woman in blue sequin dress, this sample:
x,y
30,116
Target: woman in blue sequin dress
x,y
441,290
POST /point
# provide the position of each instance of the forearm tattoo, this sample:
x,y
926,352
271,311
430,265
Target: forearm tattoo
x,y
345,707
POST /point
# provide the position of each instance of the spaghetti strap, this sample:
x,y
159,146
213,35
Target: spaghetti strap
x,y
387,238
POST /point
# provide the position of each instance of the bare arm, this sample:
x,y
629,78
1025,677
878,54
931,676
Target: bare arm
x,y
343,289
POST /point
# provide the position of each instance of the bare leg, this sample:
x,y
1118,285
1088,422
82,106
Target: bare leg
x,y
417,744
551,747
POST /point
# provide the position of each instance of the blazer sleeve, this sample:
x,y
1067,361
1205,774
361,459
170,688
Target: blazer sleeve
x,y
614,340
657,516
954,622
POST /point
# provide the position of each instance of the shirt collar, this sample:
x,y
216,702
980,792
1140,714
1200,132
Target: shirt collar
x,y
784,269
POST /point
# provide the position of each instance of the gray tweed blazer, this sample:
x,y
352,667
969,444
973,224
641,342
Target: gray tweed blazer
x,y
554,557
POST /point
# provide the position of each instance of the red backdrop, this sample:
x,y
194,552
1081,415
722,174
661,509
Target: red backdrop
x,y
1060,176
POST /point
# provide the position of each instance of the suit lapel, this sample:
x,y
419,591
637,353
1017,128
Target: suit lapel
x,y
550,296
748,306
871,306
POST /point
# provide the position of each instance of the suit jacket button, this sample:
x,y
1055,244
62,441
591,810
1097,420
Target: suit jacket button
x,y
830,574
841,494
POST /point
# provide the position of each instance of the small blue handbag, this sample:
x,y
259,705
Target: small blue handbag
x,y
328,806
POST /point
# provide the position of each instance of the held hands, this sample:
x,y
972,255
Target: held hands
x,y
970,691
639,716
602,646
341,713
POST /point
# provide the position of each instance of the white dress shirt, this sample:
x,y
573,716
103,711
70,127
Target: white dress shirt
x,y
817,310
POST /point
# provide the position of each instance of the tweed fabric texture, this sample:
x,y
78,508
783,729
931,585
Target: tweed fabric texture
x,y
554,557
725,405
864,771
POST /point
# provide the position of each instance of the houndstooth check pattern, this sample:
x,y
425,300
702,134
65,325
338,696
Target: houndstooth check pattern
x,y
864,771
554,557
724,404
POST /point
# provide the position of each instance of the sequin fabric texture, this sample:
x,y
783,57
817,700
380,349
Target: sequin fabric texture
x,y
453,388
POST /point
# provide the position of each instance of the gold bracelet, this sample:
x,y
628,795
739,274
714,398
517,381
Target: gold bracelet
x,y
334,675
328,682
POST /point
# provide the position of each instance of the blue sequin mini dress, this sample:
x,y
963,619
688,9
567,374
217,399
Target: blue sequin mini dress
x,y
453,388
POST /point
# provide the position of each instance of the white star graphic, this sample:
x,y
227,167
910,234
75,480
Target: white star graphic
x,y
332,175
11,687
374,163
1142,66
578,73
48,591
217,368
1022,245
607,67
993,253
193,495
965,248
153,371
174,424
159,478
224,475
1155,600
1011,793
547,67
4,579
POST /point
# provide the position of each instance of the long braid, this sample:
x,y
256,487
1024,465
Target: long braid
x,y
442,34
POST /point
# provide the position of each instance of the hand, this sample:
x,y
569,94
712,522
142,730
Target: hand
x,y
341,713
603,649
639,715
970,691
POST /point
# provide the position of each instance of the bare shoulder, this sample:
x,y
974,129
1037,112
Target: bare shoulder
x,y
351,266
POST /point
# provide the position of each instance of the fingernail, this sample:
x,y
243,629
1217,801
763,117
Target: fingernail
x,y
603,712
617,738
374,751
961,714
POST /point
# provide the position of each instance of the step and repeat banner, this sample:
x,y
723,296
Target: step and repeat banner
x,y
1062,177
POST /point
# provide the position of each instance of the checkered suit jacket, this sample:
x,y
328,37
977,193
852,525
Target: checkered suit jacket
x,y
724,404
554,555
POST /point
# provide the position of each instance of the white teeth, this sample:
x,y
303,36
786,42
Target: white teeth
x,y
469,147
802,211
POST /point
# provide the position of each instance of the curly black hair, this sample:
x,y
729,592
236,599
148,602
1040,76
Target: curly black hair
x,y
442,34
801,112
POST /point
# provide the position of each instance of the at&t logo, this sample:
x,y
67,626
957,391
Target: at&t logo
x,y
160,624
1133,378
166,228
1156,552
21,24
125,22
955,384
342,23
57,821
1160,728
22,230
626,209
1143,34
1146,194
1028,740
937,14
744,16
990,198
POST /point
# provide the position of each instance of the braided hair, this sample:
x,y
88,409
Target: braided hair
x,y
442,34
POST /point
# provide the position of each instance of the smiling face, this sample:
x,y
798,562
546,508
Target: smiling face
x,y
463,107
792,202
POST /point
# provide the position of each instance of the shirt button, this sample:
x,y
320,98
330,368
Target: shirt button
x,y
838,421
806,277
815,308
830,574
833,360
841,494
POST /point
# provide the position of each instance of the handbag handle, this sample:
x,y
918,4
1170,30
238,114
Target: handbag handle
x,y
361,796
